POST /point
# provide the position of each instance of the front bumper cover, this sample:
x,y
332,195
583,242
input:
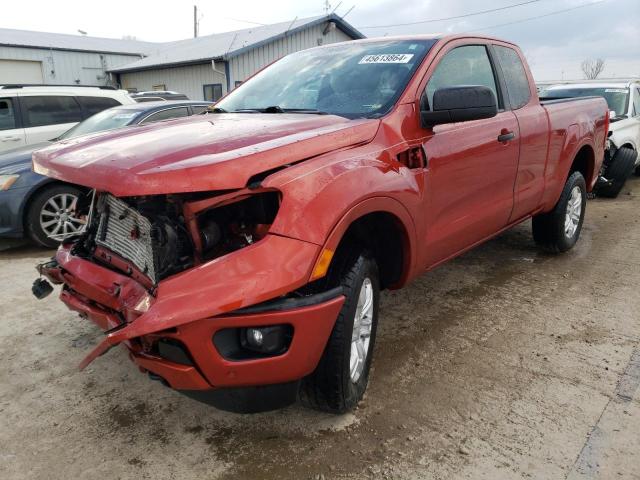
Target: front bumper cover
x,y
192,306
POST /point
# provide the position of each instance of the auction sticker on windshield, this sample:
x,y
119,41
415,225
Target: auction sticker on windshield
x,y
387,58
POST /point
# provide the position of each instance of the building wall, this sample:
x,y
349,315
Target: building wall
x,y
191,79
188,79
246,64
69,67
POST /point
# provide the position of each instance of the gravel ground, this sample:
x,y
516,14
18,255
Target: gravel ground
x,y
503,364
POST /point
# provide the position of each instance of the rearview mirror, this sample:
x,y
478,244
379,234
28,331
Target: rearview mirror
x,y
460,104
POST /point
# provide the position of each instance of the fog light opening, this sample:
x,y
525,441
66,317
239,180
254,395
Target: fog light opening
x,y
270,340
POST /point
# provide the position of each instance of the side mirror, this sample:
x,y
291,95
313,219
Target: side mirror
x,y
460,104
612,114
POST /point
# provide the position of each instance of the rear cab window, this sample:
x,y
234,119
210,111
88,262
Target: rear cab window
x,y
7,114
515,76
40,110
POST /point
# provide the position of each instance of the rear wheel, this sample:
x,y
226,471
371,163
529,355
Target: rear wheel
x,y
342,375
617,172
52,212
559,229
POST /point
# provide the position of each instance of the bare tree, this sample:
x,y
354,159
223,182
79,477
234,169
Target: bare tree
x,y
592,68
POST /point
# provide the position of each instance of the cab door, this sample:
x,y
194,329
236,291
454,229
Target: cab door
x,y
472,165
11,132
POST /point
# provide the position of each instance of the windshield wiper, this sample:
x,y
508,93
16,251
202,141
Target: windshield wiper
x,y
279,109
215,110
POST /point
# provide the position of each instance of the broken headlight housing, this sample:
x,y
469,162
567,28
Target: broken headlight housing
x,y
238,223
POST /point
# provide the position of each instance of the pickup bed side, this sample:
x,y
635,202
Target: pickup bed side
x,y
574,136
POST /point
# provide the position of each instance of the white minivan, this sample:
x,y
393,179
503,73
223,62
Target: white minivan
x,y
36,113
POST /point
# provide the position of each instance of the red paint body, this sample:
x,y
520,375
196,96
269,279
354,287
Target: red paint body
x,y
338,170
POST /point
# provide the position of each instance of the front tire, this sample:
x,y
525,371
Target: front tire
x,y
559,229
52,211
617,172
341,377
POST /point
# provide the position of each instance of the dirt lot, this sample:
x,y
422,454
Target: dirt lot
x,y
505,363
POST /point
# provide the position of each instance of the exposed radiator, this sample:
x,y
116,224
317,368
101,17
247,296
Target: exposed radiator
x,y
126,233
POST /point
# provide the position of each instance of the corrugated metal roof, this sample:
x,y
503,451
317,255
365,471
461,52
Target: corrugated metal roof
x,y
61,41
228,44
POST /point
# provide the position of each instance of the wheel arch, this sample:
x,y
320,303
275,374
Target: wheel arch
x,y
48,183
383,226
629,144
584,161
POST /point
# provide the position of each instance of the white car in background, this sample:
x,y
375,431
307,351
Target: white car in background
x,y
622,154
37,113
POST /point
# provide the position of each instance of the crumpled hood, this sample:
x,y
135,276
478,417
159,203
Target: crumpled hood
x,y
201,153
18,160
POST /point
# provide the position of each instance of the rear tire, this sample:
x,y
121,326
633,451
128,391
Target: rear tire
x,y
49,202
617,172
340,379
559,229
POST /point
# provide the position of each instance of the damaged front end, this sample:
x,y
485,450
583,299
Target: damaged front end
x,y
196,288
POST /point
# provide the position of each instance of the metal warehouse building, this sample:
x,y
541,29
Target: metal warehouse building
x,y
203,68
38,57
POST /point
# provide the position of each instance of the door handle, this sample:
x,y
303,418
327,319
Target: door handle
x,y
506,136
10,139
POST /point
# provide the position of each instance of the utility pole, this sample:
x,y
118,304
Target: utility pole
x,y
327,7
195,21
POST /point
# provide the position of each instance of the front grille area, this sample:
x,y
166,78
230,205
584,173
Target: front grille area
x,y
126,233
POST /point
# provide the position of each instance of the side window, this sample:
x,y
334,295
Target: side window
x,y
93,105
198,108
167,114
212,92
7,114
468,65
636,103
515,76
40,110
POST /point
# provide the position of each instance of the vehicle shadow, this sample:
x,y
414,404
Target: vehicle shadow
x,y
15,249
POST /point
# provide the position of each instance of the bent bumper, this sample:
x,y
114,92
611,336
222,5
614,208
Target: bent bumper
x,y
112,301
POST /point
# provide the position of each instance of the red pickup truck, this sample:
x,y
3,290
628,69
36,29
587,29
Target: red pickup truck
x,y
239,255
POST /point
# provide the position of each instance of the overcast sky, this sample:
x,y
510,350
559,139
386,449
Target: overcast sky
x,y
554,44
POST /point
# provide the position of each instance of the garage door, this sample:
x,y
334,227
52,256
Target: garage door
x,y
20,71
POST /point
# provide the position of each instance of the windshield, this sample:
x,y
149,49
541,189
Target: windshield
x,y
616,97
352,80
105,120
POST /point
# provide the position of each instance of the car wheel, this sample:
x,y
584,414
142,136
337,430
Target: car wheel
x,y
559,229
52,212
342,375
617,172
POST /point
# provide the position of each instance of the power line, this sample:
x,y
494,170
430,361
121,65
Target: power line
x,y
539,16
455,17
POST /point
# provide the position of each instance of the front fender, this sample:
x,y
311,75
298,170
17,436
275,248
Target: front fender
x,y
317,205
